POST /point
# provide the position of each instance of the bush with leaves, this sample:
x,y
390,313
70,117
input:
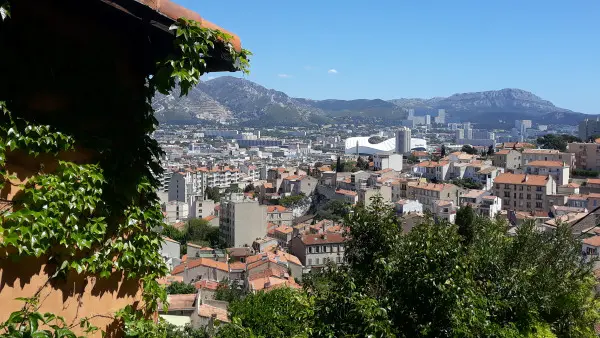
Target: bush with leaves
x,y
229,291
282,312
181,288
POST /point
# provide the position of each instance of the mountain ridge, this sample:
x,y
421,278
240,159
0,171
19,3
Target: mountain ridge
x,y
239,100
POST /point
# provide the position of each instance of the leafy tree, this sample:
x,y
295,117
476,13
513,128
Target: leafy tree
x,y
250,187
288,201
467,183
180,288
412,159
188,331
443,151
200,231
338,165
431,282
469,149
233,189
212,193
282,312
362,164
465,219
585,173
334,210
490,151
558,142
229,291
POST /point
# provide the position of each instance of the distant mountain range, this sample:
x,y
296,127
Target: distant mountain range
x,y
238,100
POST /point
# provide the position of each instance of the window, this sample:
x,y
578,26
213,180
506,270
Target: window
x,y
317,249
506,186
538,205
520,188
515,195
528,205
497,186
514,203
310,261
528,188
507,194
520,195
316,261
338,259
528,196
538,197
538,189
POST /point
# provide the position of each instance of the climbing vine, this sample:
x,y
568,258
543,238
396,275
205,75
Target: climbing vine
x,y
98,218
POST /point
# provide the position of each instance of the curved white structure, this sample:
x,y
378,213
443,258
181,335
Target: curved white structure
x,y
362,145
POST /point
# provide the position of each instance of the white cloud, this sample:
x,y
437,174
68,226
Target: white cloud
x,y
284,76
332,71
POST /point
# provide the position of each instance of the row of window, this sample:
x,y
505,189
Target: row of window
x,y
326,260
538,205
325,248
537,196
520,187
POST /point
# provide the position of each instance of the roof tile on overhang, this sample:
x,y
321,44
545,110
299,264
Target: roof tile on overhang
x,y
174,11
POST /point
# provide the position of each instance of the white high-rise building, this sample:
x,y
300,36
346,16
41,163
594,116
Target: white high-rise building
x,y
441,118
411,114
469,133
403,139
427,119
242,221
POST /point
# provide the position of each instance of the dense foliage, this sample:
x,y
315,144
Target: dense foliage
x,y
290,201
282,312
585,173
442,280
98,218
334,210
230,291
469,149
181,288
558,142
467,183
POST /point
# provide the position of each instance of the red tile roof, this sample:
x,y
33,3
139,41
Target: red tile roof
x,y
200,262
330,238
592,241
524,179
206,284
278,208
546,164
175,11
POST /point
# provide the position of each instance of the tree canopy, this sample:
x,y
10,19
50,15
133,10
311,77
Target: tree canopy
x,y
180,288
558,142
431,282
469,149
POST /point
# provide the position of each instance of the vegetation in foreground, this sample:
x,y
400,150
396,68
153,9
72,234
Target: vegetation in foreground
x,y
439,280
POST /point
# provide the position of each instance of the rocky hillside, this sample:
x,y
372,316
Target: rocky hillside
x,y
238,100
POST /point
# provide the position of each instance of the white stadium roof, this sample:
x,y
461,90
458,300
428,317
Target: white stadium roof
x,y
364,147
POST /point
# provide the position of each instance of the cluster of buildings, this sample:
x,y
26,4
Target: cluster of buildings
x,y
240,188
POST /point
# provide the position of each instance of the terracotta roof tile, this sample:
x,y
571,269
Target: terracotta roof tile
x,y
276,208
330,238
546,164
593,241
521,179
200,262
207,311
206,284
175,11
346,192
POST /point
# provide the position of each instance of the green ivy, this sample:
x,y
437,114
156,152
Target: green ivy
x,y
28,322
194,44
99,218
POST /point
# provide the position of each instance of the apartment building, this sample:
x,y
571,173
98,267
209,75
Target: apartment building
x,y
524,192
316,250
390,160
508,159
432,170
200,208
298,184
486,176
404,207
366,195
558,170
444,211
587,155
242,221
279,215
530,155
429,193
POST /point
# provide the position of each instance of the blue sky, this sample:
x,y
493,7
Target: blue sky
x,y
419,48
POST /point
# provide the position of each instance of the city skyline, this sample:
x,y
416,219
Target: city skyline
x,y
401,50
